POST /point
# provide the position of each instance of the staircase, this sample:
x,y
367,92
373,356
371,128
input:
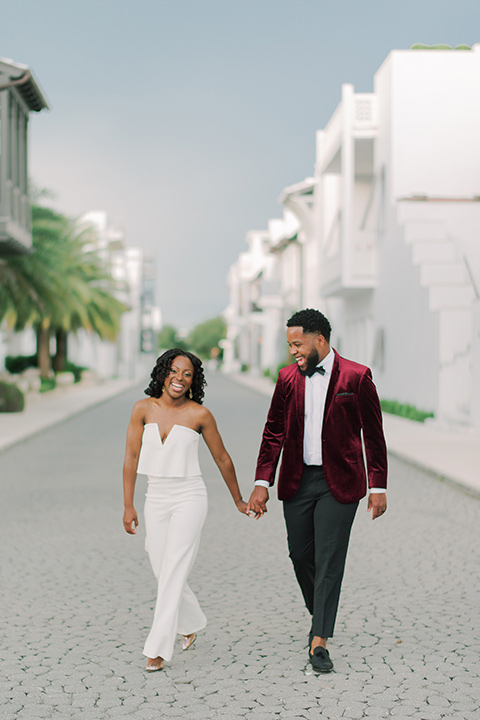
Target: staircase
x,y
451,293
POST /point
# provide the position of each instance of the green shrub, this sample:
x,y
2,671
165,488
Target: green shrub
x,y
11,398
16,364
47,384
75,369
245,367
404,410
439,46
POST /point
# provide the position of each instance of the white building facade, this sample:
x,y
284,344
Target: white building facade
x,y
128,266
264,287
389,230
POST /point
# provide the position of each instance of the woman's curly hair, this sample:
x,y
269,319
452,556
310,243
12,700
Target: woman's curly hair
x,y
162,369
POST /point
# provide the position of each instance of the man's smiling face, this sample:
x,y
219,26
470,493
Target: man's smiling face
x,y
307,349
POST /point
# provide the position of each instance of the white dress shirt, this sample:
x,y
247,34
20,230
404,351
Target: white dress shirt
x,y
316,388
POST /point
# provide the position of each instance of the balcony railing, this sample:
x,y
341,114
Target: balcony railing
x,y
362,123
365,111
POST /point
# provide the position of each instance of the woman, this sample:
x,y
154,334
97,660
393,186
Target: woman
x,y
162,443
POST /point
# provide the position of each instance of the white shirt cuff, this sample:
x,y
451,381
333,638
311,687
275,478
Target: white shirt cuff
x,y
262,483
377,490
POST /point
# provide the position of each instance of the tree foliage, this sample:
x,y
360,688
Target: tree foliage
x,y
62,286
201,340
168,338
206,336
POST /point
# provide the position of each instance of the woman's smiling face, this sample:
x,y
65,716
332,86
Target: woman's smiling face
x,y
179,380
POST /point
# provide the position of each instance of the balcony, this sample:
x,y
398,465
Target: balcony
x,y
19,95
348,267
345,164
356,118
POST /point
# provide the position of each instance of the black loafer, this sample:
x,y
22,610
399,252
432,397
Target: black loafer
x,y
321,660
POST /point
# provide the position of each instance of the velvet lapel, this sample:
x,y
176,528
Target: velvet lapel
x,y
331,386
300,398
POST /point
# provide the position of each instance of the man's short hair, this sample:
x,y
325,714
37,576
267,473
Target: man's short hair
x,y
311,321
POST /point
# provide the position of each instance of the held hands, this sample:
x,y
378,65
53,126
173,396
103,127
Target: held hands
x,y
377,503
242,506
130,520
258,501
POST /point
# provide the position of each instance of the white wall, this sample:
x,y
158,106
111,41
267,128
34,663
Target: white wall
x,y
401,309
434,103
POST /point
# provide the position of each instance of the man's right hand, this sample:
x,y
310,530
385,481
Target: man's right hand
x,y
258,501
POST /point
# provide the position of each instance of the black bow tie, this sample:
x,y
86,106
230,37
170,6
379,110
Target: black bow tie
x,y
320,369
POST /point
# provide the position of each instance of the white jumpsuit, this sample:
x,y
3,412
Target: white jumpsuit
x,y
175,510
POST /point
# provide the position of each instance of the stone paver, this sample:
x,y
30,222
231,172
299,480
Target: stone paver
x,y
77,592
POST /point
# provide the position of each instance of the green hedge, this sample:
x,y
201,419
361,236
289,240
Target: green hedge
x,y
404,410
16,364
75,369
11,398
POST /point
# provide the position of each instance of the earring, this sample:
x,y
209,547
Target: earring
x,y
190,394
163,388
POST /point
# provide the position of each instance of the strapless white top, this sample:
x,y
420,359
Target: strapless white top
x,y
176,457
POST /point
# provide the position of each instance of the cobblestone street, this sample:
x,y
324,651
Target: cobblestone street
x,y
78,592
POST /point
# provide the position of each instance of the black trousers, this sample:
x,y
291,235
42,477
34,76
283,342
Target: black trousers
x,y
318,529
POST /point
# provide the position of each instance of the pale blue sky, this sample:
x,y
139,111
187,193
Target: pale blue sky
x,y
187,118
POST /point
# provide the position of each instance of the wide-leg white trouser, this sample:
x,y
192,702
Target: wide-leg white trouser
x,y
175,510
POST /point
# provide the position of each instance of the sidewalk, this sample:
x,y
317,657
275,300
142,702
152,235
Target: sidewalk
x,y
451,454
51,408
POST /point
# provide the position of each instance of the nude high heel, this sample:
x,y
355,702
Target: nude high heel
x,y
153,666
188,640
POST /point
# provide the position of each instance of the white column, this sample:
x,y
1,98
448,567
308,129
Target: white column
x,y
348,169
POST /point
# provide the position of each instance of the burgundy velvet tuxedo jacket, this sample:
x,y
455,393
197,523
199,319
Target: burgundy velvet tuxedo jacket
x,y
351,407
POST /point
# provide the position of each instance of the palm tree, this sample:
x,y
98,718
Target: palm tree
x,y
61,286
89,297
29,291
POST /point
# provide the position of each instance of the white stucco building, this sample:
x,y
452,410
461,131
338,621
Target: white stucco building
x,y
264,287
243,345
389,229
129,267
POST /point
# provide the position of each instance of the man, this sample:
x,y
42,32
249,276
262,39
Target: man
x,y
321,406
